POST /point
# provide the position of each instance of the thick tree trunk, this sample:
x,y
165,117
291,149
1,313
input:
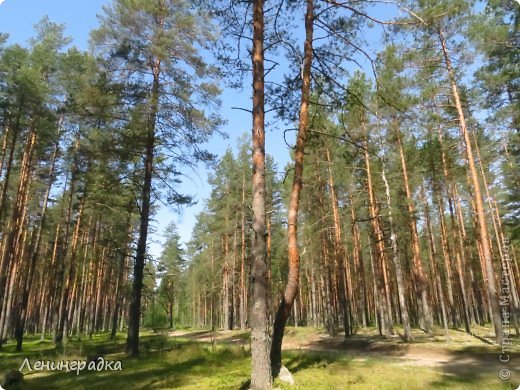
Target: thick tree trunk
x,y
132,341
291,289
260,338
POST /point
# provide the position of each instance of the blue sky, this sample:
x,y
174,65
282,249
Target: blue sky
x,y
17,18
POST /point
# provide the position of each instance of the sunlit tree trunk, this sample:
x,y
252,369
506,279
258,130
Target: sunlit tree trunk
x,y
461,262
14,242
342,265
243,288
226,306
483,234
359,265
291,289
259,315
405,317
70,254
500,240
34,253
420,278
445,245
77,319
508,259
433,260
379,248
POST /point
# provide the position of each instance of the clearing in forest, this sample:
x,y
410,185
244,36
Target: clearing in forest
x,y
201,359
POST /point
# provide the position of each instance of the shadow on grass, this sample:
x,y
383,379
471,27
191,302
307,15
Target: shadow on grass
x,y
161,365
137,374
473,334
297,361
478,366
474,366
482,339
245,385
236,337
190,361
130,377
359,344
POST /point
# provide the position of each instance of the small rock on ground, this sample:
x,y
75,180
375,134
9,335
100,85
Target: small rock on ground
x,y
286,376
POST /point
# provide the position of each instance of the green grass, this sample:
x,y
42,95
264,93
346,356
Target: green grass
x,y
188,363
164,362
338,371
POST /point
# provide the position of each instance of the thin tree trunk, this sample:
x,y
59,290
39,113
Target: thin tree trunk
x,y
460,259
77,320
340,252
14,239
121,277
405,317
500,240
433,261
34,253
243,288
8,168
508,261
4,147
378,244
291,289
358,261
71,254
483,235
416,255
444,234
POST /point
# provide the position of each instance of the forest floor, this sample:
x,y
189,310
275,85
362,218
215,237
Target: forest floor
x,y
201,359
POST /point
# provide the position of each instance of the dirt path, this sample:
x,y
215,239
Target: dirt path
x,y
450,357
